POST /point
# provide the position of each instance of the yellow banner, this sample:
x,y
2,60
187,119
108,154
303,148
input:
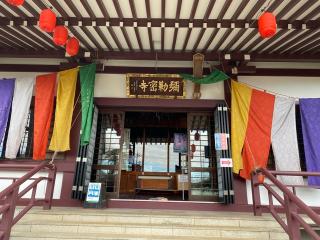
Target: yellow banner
x,y
60,140
240,103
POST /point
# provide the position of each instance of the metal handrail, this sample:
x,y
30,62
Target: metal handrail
x,y
291,203
11,194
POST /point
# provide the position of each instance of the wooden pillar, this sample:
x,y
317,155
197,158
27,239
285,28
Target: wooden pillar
x,y
143,148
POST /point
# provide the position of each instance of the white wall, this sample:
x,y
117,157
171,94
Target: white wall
x,y
41,189
299,87
114,85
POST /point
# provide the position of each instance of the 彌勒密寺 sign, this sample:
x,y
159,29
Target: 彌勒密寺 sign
x,y
155,86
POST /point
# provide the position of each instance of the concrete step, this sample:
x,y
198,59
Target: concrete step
x,y
146,229
153,217
66,223
59,236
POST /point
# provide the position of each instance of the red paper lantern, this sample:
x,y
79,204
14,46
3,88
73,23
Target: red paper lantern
x,y
193,148
72,46
267,25
15,2
47,20
60,35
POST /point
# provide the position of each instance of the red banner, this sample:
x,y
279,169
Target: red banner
x,y
44,96
258,136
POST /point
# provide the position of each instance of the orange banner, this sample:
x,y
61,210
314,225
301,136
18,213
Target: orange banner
x,y
44,96
258,136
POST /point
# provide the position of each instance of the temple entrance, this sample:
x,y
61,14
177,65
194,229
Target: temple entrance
x,y
169,156
155,156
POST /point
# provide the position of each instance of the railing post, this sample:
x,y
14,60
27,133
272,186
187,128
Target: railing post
x,y
256,195
50,187
8,215
292,223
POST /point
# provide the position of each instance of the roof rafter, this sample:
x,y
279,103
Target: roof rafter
x,y
105,13
79,36
10,42
14,37
178,10
302,43
136,30
246,40
290,44
302,9
307,44
163,13
233,18
287,8
269,42
192,13
96,28
123,29
147,2
309,47
206,16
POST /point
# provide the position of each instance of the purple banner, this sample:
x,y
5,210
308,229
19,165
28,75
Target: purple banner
x,y
310,120
6,94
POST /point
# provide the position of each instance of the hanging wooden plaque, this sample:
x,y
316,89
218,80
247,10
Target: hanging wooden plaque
x,y
155,86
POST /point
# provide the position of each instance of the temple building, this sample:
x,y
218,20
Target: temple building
x,y
194,105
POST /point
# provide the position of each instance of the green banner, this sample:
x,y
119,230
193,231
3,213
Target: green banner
x,y
87,79
214,77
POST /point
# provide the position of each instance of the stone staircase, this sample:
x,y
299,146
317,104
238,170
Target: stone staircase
x,y
79,223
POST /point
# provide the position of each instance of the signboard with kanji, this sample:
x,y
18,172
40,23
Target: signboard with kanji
x,y
155,86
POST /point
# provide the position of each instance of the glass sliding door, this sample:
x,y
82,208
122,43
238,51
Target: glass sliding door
x,y
110,143
202,166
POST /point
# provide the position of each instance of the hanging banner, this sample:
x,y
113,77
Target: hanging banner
x,y
240,103
258,136
23,90
284,139
310,118
155,86
6,95
87,79
43,108
60,140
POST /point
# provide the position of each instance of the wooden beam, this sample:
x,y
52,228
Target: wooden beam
x,y
156,22
242,71
165,56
